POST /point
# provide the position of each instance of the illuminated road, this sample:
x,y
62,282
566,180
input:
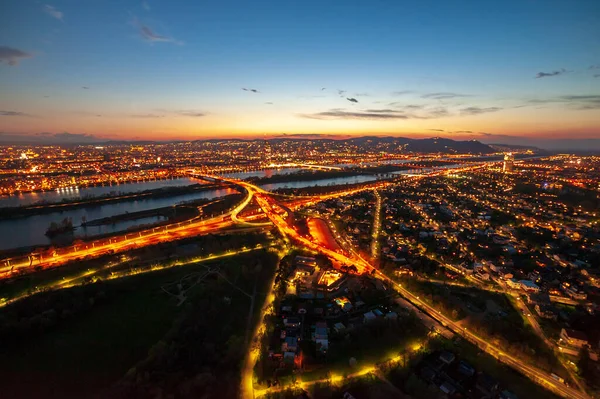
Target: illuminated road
x,y
130,241
541,377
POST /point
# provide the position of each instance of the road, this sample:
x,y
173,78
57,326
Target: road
x,y
539,376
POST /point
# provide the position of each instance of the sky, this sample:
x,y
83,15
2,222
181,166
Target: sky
x,y
520,71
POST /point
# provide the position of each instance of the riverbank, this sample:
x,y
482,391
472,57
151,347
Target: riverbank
x,y
171,213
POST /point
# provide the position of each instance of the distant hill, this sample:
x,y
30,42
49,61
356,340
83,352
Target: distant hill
x,y
400,144
384,143
431,145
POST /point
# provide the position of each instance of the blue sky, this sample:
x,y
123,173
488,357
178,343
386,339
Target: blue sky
x,y
176,69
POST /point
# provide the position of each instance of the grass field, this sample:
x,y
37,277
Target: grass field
x,y
86,353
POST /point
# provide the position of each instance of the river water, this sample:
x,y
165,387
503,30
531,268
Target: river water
x,y
30,231
322,182
74,192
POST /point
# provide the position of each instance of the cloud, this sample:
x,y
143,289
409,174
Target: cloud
x,y
341,93
323,88
149,35
149,116
438,112
362,94
383,111
413,107
269,103
409,107
351,99
437,130
12,56
597,75
401,92
478,110
251,90
443,95
73,136
597,66
578,102
145,5
85,87
553,73
13,113
53,12
339,114
194,114
50,138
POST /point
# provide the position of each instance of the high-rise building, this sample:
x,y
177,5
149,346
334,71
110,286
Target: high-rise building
x,y
509,160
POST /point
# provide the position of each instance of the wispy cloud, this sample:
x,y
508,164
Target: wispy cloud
x,y
454,131
148,116
438,112
339,114
401,92
13,113
597,66
194,114
53,12
577,102
478,110
12,56
85,87
443,95
548,74
351,99
150,36
407,107
383,111
251,90
597,75
145,5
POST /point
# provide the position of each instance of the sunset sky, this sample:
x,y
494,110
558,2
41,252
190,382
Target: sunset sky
x,y
165,70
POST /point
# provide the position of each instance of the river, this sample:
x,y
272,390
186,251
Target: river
x,y
334,181
83,192
30,231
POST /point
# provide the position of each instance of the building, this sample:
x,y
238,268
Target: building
x,y
320,336
530,286
369,317
508,165
574,338
447,357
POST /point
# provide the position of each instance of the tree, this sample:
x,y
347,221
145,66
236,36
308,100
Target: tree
x,y
583,362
